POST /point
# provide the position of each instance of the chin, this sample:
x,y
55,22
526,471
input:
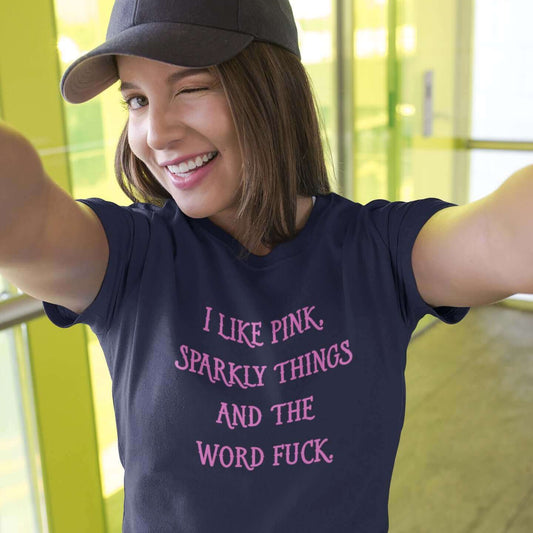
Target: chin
x,y
195,209
203,206
193,212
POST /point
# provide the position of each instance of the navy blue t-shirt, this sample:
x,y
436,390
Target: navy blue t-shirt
x,y
263,395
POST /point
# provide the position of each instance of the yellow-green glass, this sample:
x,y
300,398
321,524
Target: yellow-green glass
x,y
316,31
21,485
372,132
396,44
93,127
429,47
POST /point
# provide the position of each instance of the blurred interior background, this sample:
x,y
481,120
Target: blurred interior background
x,y
418,98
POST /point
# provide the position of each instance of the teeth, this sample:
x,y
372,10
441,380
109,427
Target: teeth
x,y
187,166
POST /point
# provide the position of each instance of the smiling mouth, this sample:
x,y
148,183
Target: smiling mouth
x,y
186,168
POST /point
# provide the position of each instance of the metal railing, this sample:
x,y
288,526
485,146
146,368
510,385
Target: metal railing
x,y
481,144
15,310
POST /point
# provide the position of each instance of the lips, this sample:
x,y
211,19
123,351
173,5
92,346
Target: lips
x,y
184,168
191,178
183,159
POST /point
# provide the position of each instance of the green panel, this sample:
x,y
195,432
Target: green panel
x,y
93,128
31,102
65,416
432,39
20,477
315,20
371,101
393,90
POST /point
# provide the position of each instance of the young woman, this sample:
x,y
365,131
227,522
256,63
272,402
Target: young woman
x,y
254,323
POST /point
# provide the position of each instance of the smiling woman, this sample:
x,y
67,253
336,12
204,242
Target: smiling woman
x,y
171,122
254,98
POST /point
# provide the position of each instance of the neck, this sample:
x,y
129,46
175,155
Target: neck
x,y
304,206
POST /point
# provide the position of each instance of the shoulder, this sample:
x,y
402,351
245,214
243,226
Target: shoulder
x,y
108,210
397,221
381,217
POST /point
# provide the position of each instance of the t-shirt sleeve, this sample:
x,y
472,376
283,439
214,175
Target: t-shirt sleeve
x,y
398,224
127,232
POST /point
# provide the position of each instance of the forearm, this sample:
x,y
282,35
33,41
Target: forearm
x,y
20,167
512,206
21,177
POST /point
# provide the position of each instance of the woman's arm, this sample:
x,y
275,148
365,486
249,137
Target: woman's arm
x,y
481,252
51,246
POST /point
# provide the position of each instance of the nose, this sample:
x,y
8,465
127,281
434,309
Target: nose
x,y
164,127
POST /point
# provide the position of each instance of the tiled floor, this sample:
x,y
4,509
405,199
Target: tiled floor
x,y
465,462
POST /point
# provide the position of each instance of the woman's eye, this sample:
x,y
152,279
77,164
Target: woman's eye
x,y
135,102
193,90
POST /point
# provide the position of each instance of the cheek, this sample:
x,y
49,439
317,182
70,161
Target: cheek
x,y
230,141
223,129
138,147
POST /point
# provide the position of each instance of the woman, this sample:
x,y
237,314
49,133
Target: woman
x,y
254,323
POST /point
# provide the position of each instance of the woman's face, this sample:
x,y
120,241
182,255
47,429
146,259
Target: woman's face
x,y
181,127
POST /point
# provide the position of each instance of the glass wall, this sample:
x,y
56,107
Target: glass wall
x,y
22,505
371,101
502,92
502,79
431,86
502,115
316,29
22,498
407,87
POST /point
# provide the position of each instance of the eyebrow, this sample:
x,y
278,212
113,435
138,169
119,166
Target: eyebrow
x,y
173,78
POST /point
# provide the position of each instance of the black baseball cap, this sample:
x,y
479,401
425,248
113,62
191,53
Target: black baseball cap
x,y
188,33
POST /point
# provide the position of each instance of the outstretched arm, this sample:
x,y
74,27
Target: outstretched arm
x,y
51,247
481,252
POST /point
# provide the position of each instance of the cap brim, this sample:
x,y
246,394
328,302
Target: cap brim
x,y
185,45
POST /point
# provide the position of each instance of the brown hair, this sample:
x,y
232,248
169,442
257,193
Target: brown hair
x,y
277,124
